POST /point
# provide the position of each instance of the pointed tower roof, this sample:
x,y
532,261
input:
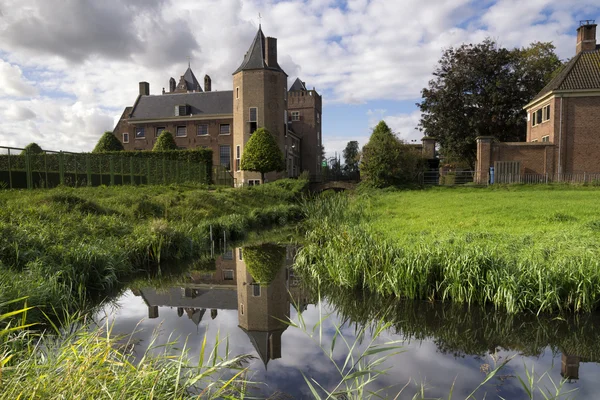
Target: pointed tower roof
x,y
298,85
191,81
255,56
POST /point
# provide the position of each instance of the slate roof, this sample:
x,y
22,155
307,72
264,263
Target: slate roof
x,y
581,73
298,85
163,105
255,56
221,299
191,81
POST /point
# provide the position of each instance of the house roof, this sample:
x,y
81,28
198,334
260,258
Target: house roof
x,y
298,85
581,73
255,56
217,298
191,81
201,103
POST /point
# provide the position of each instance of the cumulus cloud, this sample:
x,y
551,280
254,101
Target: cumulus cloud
x,y
12,81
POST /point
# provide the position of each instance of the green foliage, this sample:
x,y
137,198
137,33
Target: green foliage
x,y
480,90
262,154
351,158
32,148
108,142
165,142
264,261
386,161
512,255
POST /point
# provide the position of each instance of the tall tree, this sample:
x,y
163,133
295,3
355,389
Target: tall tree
x,y
480,90
165,142
351,158
387,161
262,154
108,142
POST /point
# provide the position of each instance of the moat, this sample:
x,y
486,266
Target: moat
x,y
444,347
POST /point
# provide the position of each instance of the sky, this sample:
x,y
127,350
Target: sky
x,y
69,67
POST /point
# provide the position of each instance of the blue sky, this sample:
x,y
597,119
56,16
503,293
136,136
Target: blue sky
x,y
69,67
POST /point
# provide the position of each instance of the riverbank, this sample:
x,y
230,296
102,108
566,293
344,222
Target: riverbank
x,y
519,248
62,247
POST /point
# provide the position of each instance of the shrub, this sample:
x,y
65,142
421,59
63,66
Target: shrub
x,y
108,142
262,154
32,148
264,261
165,142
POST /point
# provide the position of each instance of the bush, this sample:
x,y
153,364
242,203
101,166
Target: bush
x,y
262,154
32,148
108,142
264,261
387,161
165,142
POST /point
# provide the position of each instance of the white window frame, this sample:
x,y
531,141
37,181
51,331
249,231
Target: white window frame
x,y
221,129
295,115
198,130
125,135
546,139
546,110
228,271
238,157
158,128
177,131
250,114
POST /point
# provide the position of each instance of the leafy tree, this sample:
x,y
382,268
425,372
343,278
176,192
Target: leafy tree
x,y
387,161
108,142
262,154
351,158
165,142
264,261
480,90
33,148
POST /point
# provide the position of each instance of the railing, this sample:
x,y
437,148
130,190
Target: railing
x,y
576,178
21,169
222,176
446,178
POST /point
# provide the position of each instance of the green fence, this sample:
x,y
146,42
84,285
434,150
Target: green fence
x,y
20,169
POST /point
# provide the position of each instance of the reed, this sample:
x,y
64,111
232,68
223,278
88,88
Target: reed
x,y
389,244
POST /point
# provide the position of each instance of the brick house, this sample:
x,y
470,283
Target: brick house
x,y
225,120
563,123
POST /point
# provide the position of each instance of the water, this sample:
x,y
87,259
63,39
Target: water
x,y
444,347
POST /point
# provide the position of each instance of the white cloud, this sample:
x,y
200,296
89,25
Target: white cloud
x,y
12,81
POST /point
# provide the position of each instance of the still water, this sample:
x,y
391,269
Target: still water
x,y
444,347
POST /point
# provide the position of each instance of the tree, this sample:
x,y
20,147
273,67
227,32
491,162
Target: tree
x,y
387,161
264,261
480,90
262,154
108,142
351,158
165,142
32,148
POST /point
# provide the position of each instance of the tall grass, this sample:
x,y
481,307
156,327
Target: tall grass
x,y
65,247
89,363
355,244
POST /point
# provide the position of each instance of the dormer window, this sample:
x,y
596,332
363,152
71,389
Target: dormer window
x,y
181,110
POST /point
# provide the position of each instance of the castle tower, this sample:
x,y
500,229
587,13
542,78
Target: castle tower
x,y
259,100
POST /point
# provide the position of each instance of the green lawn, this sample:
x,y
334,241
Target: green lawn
x,y
520,248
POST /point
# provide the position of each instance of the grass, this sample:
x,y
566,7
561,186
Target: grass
x,y
64,247
518,248
89,363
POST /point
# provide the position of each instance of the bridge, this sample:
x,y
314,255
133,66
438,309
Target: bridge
x,y
338,186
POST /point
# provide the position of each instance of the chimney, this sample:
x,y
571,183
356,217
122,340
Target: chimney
x,y
207,83
271,52
144,89
586,36
172,85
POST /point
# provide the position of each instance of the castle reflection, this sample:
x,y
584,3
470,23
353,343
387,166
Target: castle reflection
x,y
257,281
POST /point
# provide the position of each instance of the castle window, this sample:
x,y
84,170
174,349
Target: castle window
x,y
159,130
126,138
318,117
181,131
203,130
253,118
295,115
237,158
255,290
139,132
224,129
225,156
546,138
240,254
537,117
181,110
237,92
228,275
253,182
242,308
228,255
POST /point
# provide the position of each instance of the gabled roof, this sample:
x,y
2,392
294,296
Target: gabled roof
x,y
298,85
191,81
255,56
581,73
201,103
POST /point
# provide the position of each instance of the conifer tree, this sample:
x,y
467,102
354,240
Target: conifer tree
x,y
165,142
108,142
262,154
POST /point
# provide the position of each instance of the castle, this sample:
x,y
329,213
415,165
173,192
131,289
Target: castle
x,y
224,120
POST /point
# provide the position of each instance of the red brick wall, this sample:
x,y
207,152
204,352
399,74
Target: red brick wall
x,y
581,135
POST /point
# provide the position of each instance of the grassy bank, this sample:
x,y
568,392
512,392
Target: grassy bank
x,y
63,246
518,248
